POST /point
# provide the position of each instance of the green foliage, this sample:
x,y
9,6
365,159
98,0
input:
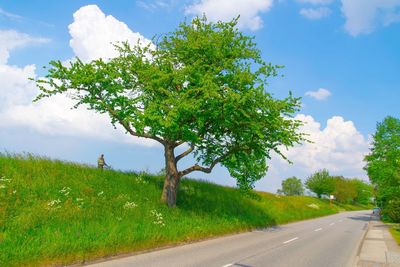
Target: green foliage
x,y
345,190
395,231
321,183
383,162
292,187
54,213
203,84
392,210
364,191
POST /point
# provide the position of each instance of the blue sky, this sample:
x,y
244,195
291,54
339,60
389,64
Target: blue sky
x,y
342,57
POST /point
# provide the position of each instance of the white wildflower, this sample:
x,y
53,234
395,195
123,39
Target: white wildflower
x,y
4,179
54,203
130,205
15,191
2,186
158,217
313,206
65,190
140,179
100,193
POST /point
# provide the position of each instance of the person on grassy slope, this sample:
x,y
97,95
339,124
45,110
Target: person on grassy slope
x,y
101,162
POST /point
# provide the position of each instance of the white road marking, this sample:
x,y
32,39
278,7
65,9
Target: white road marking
x,y
227,265
319,229
288,241
332,224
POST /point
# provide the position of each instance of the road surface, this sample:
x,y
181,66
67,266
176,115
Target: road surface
x,y
330,241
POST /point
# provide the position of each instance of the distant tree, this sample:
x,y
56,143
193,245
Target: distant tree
x,y
345,191
320,183
383,162
292,187
364,191
203,87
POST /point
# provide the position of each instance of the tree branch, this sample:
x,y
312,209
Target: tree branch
x,y
185,153
196,167
127,127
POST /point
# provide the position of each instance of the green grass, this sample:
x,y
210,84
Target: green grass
x,y
395,231
54,213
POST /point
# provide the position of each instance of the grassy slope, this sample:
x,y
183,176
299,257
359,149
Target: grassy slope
x,y
105,213
395,231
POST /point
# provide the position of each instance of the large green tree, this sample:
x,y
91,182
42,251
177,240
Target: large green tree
x,y
292,187
383,162
201,87
321,183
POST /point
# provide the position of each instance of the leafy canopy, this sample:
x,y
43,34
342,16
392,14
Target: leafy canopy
x,y
383,162
292,187
203,85
321,183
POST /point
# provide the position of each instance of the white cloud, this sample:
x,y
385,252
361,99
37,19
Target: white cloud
x,y
154,5
93,34
10,39
9,15
320,94
315,13
226,10
362,17
339,147
315,2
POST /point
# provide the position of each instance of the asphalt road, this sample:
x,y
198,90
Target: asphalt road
x,y
329,241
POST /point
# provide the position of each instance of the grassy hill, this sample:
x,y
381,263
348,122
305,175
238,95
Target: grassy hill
x,y
54,212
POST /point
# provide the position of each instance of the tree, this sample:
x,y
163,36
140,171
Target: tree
x,y
383,162
292,187
345,191
321,183
201,87
364,191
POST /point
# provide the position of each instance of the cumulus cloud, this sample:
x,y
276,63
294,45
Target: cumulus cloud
x,y
10,39
54,116
320,94
226,10
362,17
315,13
339,147
93,34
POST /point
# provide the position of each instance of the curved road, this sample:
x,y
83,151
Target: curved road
x,y
329,241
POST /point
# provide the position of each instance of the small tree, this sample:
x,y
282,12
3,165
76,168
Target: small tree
x,y
364,191
320,183
345,190
292,187
203,87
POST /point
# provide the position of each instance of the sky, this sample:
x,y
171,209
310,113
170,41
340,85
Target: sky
x,y
341,56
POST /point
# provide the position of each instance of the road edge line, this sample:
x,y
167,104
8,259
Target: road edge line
x,y
354,259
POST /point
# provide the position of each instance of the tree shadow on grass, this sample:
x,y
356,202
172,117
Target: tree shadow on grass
x,y
222,202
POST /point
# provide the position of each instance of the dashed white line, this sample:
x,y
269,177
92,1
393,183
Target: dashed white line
x,y
332,224
288,241
227,265
319,229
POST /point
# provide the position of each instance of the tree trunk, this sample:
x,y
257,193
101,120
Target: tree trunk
x,y
171,183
